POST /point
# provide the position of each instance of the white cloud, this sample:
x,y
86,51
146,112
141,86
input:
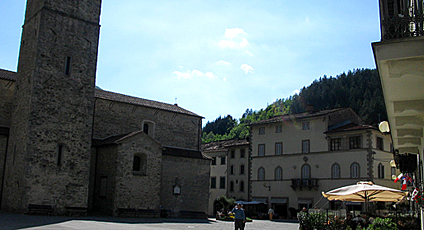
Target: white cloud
x,y
222,62
246,68
234,39
194,73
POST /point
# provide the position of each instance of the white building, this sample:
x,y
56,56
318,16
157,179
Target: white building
x,y
296,157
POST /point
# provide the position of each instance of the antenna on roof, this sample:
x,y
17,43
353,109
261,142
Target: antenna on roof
x,y
176,103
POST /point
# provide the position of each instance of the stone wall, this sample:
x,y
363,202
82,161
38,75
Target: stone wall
x,y
192,176
7,89
140,190
50,136
170,129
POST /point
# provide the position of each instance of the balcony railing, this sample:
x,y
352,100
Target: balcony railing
x,y
401,19
304,183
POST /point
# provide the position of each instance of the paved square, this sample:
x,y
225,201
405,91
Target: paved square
x,y
12,221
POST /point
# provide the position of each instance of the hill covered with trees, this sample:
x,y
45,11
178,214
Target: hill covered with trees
x,y
359,89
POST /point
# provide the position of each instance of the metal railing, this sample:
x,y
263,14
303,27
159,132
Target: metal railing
x,y
401,19
304,183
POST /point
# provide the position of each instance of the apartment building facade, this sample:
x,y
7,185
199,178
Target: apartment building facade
x,y
296,157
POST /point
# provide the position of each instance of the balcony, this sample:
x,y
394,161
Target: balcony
x,y
401,19
304,183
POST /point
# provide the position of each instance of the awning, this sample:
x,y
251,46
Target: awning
x,y
278,201
304,201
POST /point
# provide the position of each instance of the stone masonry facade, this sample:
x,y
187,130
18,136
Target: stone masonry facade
x,y
66,144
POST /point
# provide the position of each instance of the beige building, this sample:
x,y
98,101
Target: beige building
x,y
229,175
296,157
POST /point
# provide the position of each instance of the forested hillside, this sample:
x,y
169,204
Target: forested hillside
x,y
359,89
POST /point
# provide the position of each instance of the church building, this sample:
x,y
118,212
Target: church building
x,y
67,145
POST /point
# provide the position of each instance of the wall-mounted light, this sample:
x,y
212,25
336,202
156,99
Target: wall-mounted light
x,y
384,127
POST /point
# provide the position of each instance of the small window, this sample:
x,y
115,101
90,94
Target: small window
x,y
146,128
223,160
278,129
149,128
68,66
306,171
213,182
305,125
222,182
354,170
60,155
261,130
232,186
278,173
261,150
278,148
380,171
335,171
242,153
139,164
355,142
232,154
305,146
335,144
213,160
241,186
232,170
261,173
241,169
380,143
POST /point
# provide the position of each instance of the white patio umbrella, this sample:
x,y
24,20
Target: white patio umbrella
x,y
365,191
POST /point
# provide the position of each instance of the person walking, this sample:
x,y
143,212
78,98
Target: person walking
x,y
239,217
270,213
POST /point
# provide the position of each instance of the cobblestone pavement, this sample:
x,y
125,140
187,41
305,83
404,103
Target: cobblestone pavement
x,y
11,221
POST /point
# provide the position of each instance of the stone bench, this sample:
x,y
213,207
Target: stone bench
x,y
76,211
39,209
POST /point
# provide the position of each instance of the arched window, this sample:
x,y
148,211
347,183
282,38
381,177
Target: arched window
x,y
306,171
232,186
261,173
335,171
354,170
146,128
241,186
380,171
278,173
139,164
149,128
241,169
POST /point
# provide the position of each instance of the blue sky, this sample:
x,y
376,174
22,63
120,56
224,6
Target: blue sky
x,y
219,57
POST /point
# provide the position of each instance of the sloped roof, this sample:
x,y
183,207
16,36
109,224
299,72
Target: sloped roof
x,y
222,145
298,116
177,152
352,127
8,75
107,95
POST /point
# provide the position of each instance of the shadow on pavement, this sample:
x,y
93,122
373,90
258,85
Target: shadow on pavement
x,y
18,221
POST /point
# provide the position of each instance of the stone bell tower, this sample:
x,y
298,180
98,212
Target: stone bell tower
x,y
48,157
